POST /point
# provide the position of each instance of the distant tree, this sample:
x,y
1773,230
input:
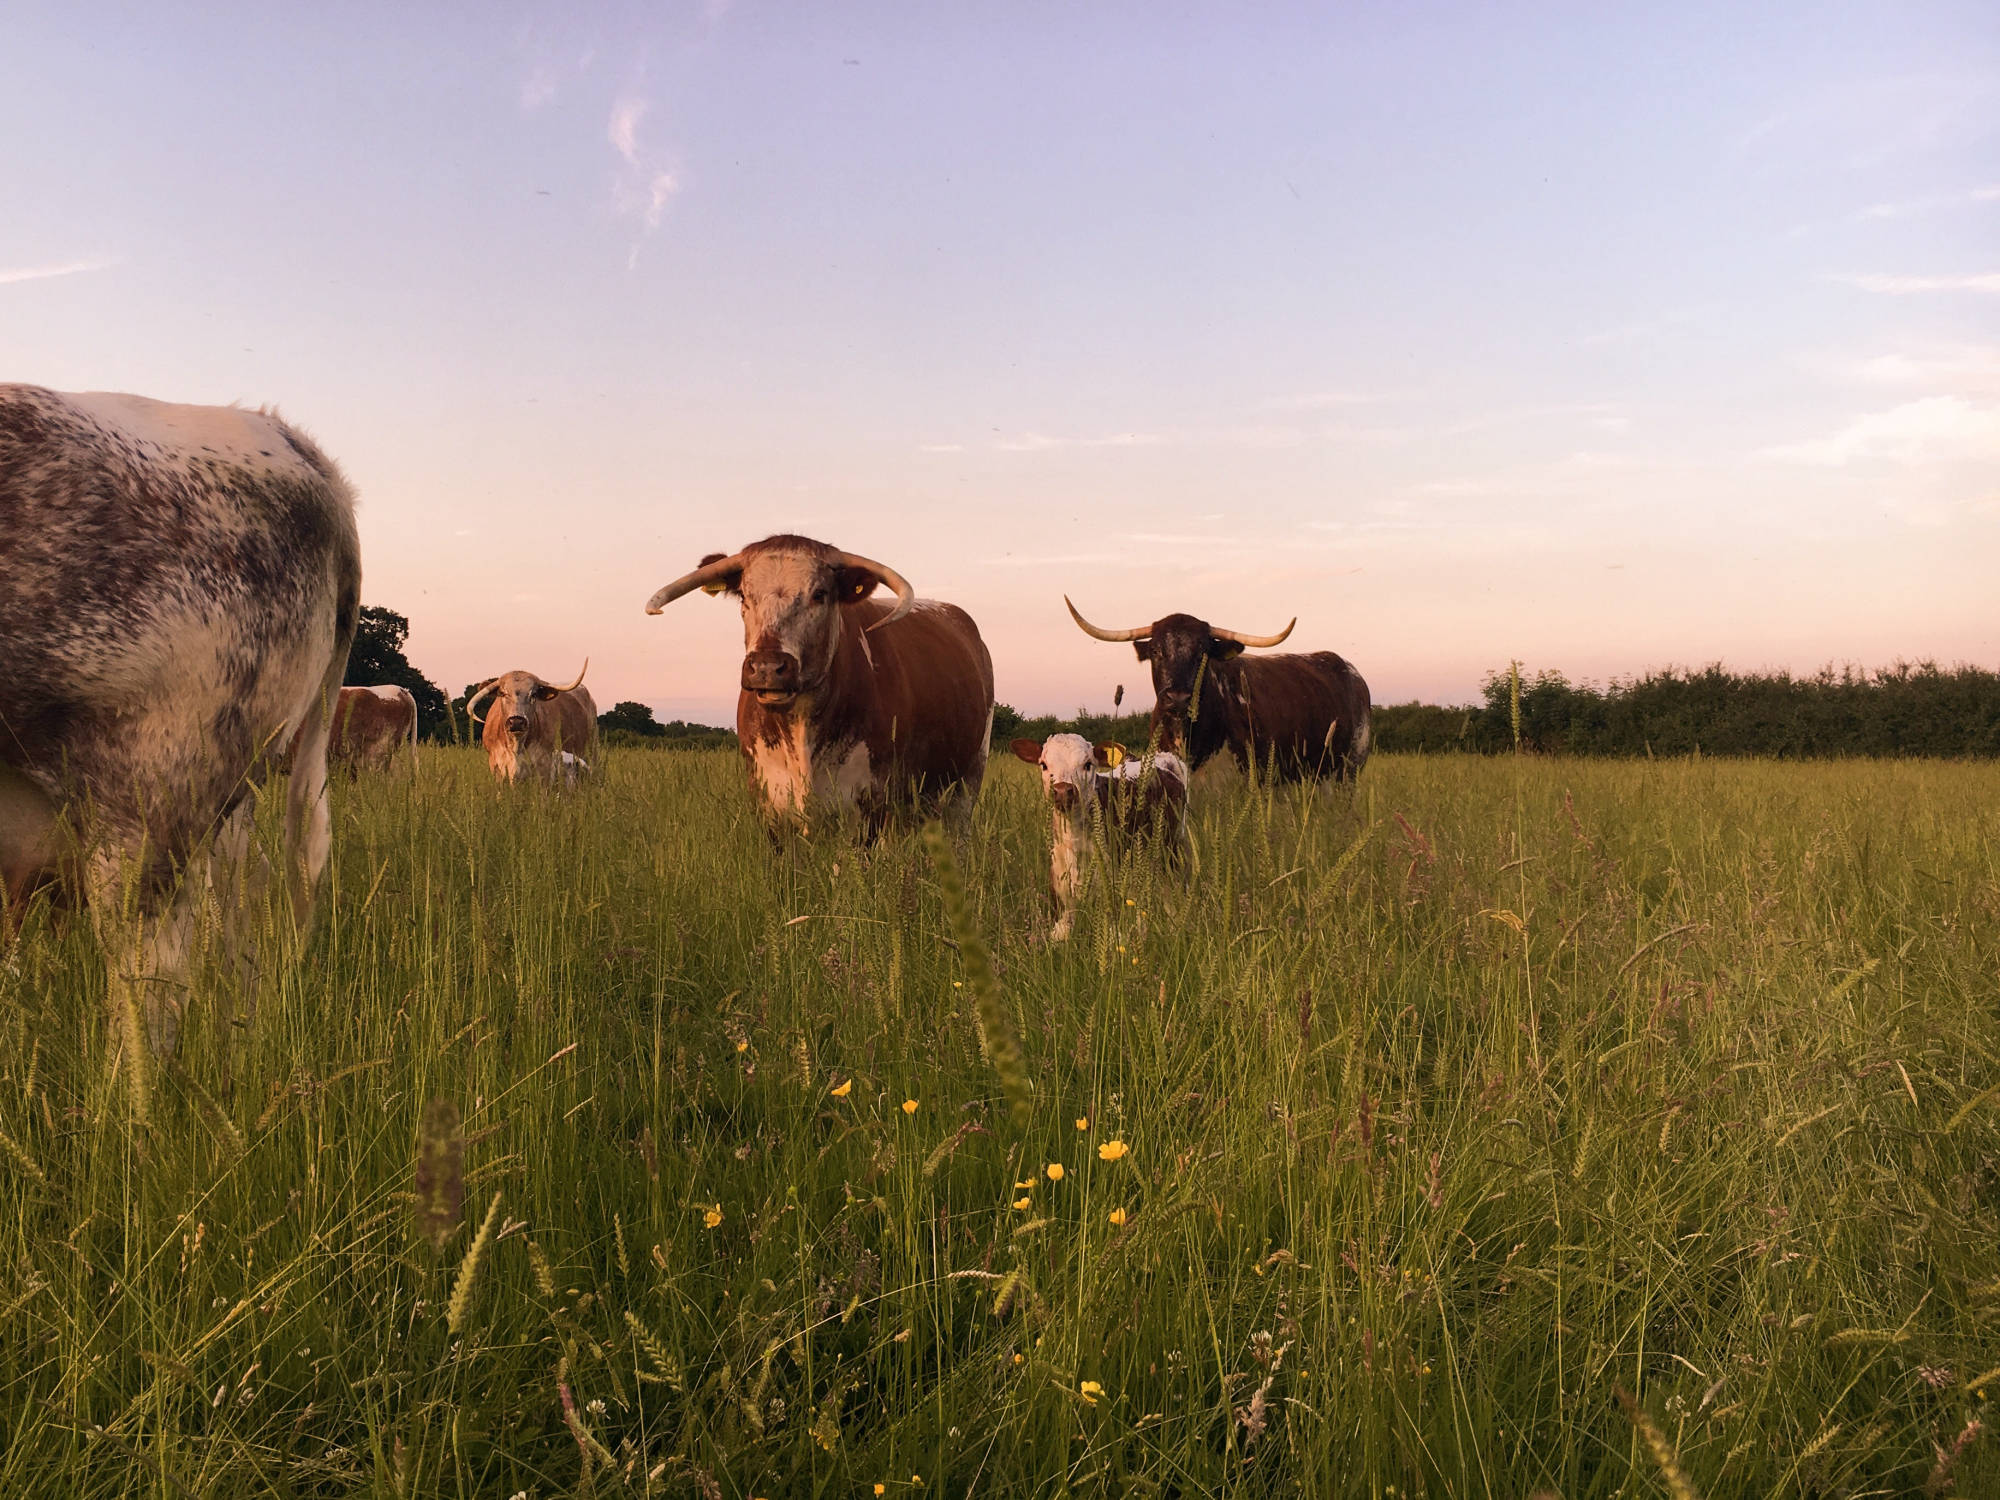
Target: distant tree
x,y
635,718
1006,719
377,660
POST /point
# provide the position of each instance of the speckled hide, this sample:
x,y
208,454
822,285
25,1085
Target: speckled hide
x,y
179,586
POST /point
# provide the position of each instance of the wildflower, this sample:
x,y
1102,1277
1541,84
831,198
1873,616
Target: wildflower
x,y
1121,947
713,1217
1024,1203
909,1106
1111,1151
881,1489
1019,1357
1083,1122
1118,1217
1055,1171
1090,1390
1027,1183
841,1091
1130,902
743,1046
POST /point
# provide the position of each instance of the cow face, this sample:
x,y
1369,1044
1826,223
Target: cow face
x,y
791,599
515,701
1181,650
1069,765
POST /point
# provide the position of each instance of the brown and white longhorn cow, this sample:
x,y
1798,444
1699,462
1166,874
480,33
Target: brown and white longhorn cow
x,y
536,729
848,702
1093,787
370,724
1296,716
179,586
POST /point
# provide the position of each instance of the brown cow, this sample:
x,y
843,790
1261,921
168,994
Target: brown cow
x,y
848,702
370,724
179,586
536,729
1089,786
1298,717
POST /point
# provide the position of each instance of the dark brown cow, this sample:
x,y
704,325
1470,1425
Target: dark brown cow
x,y
179,586
536,729
1297,717
370,724
849,702
1091,786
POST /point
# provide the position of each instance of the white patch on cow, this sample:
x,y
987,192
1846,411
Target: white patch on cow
x,y
390,694
178,435
845,778
784,770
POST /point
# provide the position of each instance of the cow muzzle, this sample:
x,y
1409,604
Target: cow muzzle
x,y
1063,795
517,724
773,676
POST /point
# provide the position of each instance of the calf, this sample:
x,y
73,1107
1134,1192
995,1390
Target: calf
x,y
1102,786
534,728
179,586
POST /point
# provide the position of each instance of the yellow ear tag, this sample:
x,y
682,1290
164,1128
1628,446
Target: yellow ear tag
x,y
1114,755
715,588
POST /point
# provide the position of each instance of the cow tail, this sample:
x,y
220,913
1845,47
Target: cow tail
x,y
308,820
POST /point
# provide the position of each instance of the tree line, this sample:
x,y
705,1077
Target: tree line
x,y
1910,708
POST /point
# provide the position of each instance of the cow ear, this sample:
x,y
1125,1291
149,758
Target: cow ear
x,y
727,585
1111,755
543,692
1223,650
1143,648
852,585
1029,751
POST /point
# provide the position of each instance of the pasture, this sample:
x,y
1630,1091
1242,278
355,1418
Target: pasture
x,y
594,1150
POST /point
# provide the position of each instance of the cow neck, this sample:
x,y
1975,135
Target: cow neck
x,y
1210,730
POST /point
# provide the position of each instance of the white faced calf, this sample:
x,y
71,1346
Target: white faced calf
x,y
1100,787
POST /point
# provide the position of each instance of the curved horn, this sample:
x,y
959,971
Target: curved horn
x,y
708,575
1251,640
480,692
1107,635
906,596
572,686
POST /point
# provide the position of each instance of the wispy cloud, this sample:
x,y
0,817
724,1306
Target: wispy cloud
x,y
1908,208
1935,429
623,129
1960,368
1909,286
1041,442
61,268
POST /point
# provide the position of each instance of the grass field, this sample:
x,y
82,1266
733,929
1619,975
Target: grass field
x,y
1396,1140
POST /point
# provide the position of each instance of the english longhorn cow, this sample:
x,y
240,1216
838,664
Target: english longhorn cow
x,y
1295,716
1092,787
848,702
534,728
370,724
179,586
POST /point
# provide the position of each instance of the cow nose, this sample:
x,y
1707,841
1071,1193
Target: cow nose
x,y
516,724
770,672
1175,702
1063,794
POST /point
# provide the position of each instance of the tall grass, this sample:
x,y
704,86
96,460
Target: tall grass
x,y
594,1149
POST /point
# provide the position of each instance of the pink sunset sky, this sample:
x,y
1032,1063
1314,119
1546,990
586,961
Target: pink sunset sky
x,y
1601,338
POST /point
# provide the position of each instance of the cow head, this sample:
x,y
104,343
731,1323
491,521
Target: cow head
x,y
1069,764
1180,650
518,699
792,591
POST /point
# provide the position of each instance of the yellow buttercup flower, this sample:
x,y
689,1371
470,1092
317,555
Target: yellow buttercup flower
x,y
742,1046
1118,1217
1090,1390
1024,1203
1111,1150
1083,1122
881,1489
713,1217
1055,1171
843,1090
1030,1182
909,1106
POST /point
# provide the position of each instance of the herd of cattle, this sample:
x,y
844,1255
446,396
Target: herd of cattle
x,y
179,587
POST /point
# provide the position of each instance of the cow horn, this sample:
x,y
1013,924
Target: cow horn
x,y
479,692
570,687
708,575
1251,640
1107,635
906,596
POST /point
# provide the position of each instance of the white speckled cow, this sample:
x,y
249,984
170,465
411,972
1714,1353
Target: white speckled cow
x,y
179,586
848,703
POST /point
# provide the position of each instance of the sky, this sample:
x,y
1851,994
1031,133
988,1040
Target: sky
x,y
1604,338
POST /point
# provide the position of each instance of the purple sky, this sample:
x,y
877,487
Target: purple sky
x,y
1600,337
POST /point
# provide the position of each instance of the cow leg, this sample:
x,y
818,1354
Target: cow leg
x,y
29,838
143,915
308,821
239,878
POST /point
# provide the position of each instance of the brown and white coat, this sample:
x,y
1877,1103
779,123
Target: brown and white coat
x,y
1092,787
535,730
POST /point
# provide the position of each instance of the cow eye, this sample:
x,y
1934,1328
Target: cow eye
x,y
819,596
